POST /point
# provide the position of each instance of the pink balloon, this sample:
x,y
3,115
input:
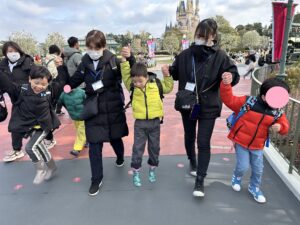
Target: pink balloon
x,y
67,89
277,97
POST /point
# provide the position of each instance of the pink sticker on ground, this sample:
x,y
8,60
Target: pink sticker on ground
x,y
226,159
18,187
180,165
76,179
130,172
277,97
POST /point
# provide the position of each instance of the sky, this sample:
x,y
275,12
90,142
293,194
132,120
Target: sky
x,y
77,17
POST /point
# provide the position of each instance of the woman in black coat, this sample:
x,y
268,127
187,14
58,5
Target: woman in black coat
x,y
209,62
16,65
103,113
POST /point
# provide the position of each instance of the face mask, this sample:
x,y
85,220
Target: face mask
x,y
203,42
13,56
95,55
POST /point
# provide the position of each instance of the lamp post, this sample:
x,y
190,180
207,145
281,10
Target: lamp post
x,y
282,74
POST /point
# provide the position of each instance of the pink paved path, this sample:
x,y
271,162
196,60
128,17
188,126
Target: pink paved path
x,y
171,132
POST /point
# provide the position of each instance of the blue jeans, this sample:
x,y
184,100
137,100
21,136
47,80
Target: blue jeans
x,y
245,158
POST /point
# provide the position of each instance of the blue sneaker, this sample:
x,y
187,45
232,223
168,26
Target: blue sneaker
x,y
257,194
136,179
236,183
152,176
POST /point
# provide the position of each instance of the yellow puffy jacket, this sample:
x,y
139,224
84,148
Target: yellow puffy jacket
x,y
146,103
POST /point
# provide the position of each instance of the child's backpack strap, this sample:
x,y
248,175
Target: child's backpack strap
x,y
153,78
233,118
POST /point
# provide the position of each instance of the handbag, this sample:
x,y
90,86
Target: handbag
x,y
90,107
3,109
186,99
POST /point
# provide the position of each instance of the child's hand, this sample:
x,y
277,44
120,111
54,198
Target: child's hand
x,y
165,70
125,53
276,127
227,78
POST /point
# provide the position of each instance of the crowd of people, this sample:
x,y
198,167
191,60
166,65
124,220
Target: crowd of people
x,y
90,89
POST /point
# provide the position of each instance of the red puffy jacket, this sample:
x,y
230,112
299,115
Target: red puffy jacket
x,y
251,130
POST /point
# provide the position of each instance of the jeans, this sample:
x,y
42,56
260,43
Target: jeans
x,y
95,155
245,158
205,129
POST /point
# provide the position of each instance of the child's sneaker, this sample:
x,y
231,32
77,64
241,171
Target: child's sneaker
x,y
75,153
13,155
152,176
257,194
236,183
136,178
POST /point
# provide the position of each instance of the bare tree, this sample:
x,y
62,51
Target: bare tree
x,y
26,41
171,44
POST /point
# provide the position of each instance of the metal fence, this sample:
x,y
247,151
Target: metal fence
x,y
287,145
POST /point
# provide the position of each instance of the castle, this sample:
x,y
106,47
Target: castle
x,y
187,16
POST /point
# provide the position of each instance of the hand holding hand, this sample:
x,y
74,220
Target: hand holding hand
x,y
125,53
227,78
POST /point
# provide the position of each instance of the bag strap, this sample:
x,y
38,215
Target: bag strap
x,y
246,107
49,62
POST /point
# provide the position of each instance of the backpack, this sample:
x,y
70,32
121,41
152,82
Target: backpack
x,y
233,118
3,109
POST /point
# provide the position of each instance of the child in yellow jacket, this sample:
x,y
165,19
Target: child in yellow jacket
x,y
147,109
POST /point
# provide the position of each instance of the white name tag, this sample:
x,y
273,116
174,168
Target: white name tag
x,y
97,85
190,86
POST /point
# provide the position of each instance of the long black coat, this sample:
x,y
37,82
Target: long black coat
x,y
212,70
20,73
110,122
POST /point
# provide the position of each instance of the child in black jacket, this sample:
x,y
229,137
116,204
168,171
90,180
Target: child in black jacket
x,y
33,115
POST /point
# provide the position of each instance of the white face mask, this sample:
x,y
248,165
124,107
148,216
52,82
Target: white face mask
x,y
203,42
13,56
95,55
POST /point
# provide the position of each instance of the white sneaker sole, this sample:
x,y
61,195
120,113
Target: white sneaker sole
x,y
236,188
94,194
121,165
11,159
193,173
198,194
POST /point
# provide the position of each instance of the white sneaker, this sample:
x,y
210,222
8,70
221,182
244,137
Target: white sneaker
x,y
13,155
49,144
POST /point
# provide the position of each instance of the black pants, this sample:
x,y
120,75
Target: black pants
x,y
17,139
205,129
95,154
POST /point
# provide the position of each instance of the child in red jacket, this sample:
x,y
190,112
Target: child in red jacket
x,y
250,132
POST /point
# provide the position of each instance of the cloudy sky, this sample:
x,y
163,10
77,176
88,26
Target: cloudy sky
x,y
77,17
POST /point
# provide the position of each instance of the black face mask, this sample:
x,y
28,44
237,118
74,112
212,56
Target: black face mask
x,y
201,52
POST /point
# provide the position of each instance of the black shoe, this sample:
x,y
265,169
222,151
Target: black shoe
x,y
120,162
199,187
94,188
193,168
75,153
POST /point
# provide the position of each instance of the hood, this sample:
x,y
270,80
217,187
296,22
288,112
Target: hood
x,y
68,51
